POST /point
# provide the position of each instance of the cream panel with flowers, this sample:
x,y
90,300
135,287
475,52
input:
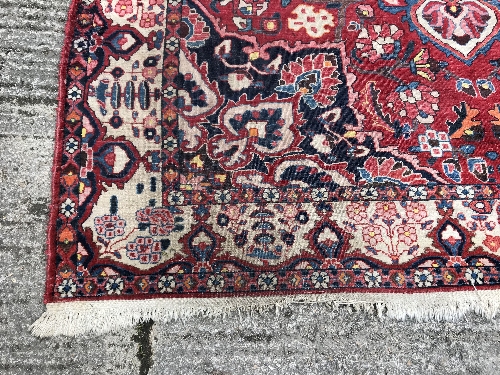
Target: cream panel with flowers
x,y
145,16
132,227
264,235
391,232
399,232
482,218
126,98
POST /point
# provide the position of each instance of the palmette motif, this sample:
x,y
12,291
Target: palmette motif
x,y
227,147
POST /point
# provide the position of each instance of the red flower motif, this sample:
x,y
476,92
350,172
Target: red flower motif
x,y
145,250
457,261
150,72
160,220
381,170
414,101
95,42
110,226
492,243
315,79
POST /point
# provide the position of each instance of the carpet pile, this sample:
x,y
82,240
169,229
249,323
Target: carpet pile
x,y
238,155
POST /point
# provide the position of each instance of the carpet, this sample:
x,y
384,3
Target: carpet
x,y
231,155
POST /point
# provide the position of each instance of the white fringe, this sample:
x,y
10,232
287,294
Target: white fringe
x,y
77,318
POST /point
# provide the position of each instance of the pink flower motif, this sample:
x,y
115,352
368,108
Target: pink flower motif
x,y
379,42
150,122
289,211
386,210
407,234
415,211
356,211
124,7
155,2
233,212
364,11
191,182
372,235
148,20
149,72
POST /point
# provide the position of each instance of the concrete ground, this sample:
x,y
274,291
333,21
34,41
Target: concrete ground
x,y
303,340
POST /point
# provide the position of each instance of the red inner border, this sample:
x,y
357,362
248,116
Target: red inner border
x,y
56,167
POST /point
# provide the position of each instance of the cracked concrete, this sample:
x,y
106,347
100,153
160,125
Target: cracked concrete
x,y
145,349
305,339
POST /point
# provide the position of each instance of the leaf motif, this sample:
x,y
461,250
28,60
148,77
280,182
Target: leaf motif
x,y
471,113
412,249
496,114
464,122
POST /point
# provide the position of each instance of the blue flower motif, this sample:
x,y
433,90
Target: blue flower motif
x,y
406,130
465,85
486,87
354,26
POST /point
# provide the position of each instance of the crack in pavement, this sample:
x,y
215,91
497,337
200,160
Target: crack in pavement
x,y
145,349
